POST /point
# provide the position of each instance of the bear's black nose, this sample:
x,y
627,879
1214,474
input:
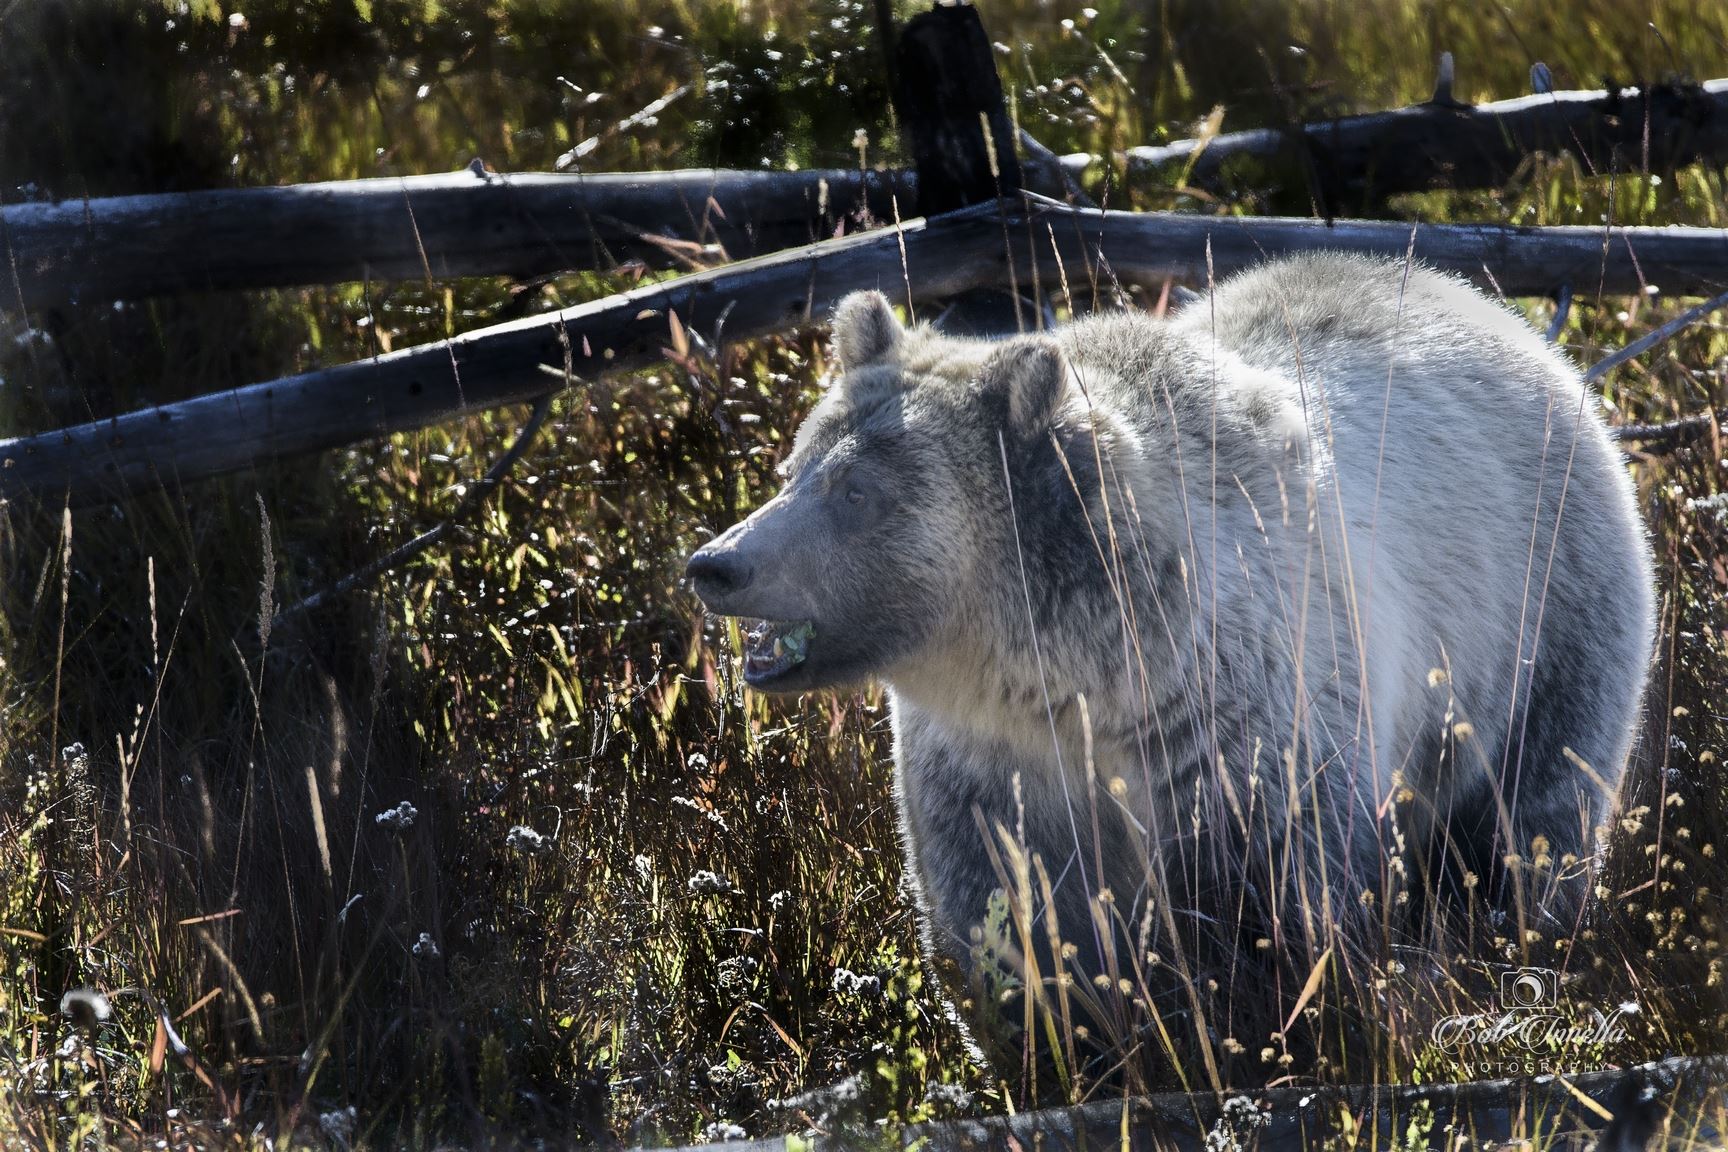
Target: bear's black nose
x,y
718,575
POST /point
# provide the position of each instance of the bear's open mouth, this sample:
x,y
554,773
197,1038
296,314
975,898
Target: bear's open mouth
x,y
774,647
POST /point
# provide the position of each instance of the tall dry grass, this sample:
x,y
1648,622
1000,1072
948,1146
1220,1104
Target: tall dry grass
x,y
632,902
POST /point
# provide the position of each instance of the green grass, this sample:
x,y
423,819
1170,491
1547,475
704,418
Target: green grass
x,y
214,849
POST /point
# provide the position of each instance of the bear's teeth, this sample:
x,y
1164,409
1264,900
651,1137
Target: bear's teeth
x,y
775,646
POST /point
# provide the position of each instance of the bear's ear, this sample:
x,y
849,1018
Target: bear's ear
x,y
1033,375
866,331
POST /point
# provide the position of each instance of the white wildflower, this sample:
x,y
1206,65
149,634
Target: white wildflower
x,y
707,814
737,972
86,1007
706,883
525,840
397,819
847,981
1232,1132
338,1126
721,1131
952,1097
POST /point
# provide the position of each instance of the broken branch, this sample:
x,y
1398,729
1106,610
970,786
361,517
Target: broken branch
x,y
400,555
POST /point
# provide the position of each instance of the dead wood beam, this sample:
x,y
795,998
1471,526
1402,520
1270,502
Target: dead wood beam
x,y
1528,1110
220,432
1443,144
949,101
411,388
467,223
472,223
1149,247
1619,1109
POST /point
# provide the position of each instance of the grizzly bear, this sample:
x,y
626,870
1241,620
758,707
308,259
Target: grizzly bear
x,y
1221,647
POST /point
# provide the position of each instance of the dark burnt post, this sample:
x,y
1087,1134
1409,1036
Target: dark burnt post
x,y
946,91
948,100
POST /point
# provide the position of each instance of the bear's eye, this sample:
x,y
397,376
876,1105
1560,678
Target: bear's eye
x,y
854,496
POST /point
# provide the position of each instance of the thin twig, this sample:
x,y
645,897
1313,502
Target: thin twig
x,y
1648,341
1673,432
1041,157
635,118
1562,310
470,503
1670,433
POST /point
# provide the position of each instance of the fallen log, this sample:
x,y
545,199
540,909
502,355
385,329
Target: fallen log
x,y
1624,1106
1619,1109
1445,144
467,223
220,432
480,223
926,259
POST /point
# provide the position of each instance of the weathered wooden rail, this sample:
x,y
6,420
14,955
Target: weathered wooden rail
x,y
1445,144
1616,1110
467,223
478,223
1613,1109
988,245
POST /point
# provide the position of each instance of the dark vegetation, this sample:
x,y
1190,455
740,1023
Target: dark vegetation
x,y
633,902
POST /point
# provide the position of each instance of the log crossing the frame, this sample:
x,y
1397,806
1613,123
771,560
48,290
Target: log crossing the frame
x,y
1441,143
1085,250
477,223
1615,1109
467,223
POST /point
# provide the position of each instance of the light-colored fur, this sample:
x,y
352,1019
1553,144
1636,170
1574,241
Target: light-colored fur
x,y
1347,514
1329,588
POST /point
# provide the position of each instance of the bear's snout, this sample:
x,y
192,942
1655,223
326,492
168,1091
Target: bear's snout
x,y
719,575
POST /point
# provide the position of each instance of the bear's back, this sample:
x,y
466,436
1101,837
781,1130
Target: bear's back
x,y
1466,511
1488,522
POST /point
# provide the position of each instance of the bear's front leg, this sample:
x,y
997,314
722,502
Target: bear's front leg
x,y
1001,850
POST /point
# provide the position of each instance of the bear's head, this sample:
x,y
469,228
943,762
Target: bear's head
x,y
871,556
